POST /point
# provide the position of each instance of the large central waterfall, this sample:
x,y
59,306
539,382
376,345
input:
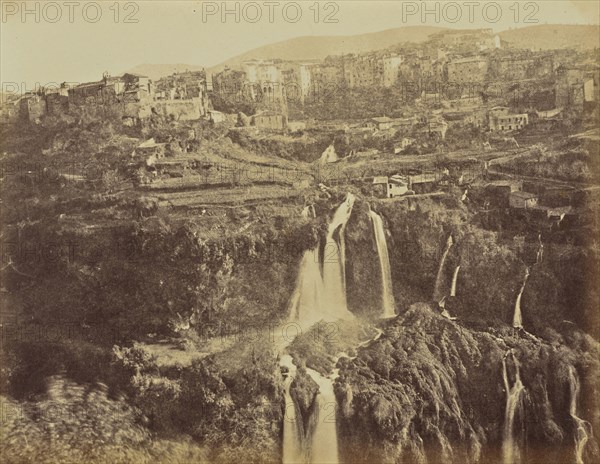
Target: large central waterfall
x,y
518,317
582,431
322,295
387,294
438,292
510,449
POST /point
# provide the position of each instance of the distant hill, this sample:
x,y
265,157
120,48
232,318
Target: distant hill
x,y
319,47
537,37
548,36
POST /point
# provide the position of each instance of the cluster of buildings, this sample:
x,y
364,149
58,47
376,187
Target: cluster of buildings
x,y
454,67
533,199
131,96
446,78
456,56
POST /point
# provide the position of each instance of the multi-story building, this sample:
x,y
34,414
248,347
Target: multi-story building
x,y
465,70
500,119
391,69
266,84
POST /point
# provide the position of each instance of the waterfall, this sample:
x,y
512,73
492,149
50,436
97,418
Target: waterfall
x,y
322,295
517,318
583,431
309,212
292,444
324,447
510,450
305,303
318,295
387,295
454,279
540,253
437,291
334,264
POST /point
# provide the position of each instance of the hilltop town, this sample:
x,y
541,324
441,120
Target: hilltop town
x,y
462,93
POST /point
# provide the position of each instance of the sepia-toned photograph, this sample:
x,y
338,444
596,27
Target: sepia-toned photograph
x,y
300,232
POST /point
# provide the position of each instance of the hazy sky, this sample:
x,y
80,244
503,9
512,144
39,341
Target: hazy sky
x,y
79,40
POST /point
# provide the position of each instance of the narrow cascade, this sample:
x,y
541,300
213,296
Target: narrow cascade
x,y
387,294
438,291
309,212
292,433
454,280
517,318
583,431
540,253
334,264
510,450
323,448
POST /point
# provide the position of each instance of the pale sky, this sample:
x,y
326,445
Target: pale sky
x,y
77,49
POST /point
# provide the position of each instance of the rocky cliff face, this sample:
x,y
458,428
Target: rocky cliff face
x,y
431,390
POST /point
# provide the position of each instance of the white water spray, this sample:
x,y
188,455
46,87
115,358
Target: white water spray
x,y
583,428
437,291
518,317
292,427
323,448
334,264
322,296
387,294
510,450
454,280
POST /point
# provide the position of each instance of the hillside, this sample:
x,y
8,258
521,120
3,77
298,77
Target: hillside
x,y
548,36
319,47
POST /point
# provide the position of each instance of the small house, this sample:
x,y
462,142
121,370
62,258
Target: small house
x,y
394,186
424,182
149,151
404,143
381,123
499,192
397,186
270,120
523,200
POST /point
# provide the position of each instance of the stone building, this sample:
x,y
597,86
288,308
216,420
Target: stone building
x,y
464,70
523,200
